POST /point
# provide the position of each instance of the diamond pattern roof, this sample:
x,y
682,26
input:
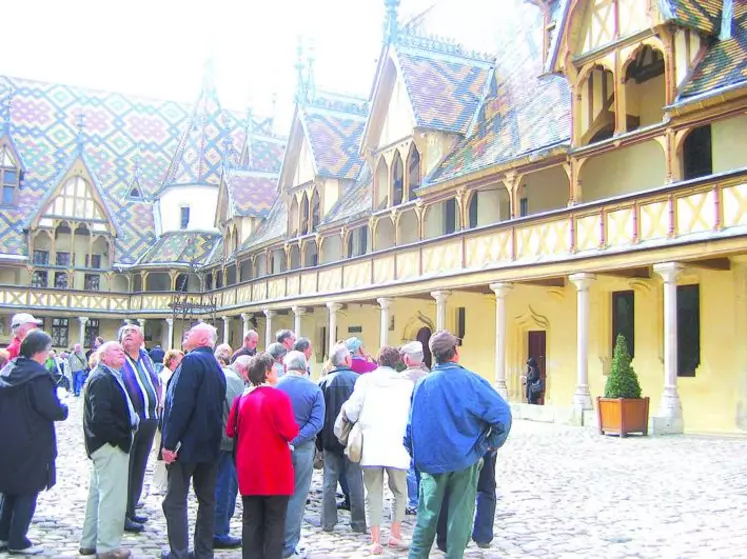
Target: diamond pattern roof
x,y
252,194
357,200
703,15
445,89
725,63
522,114
182,247
275,227
123,135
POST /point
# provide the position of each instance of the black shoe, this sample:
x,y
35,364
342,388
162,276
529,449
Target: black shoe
x,y
412,511
226,542
131,526
343,505
139,519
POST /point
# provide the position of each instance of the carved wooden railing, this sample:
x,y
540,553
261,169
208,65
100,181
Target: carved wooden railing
x,y
679,213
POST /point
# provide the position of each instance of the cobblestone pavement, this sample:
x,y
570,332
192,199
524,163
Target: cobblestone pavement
x,y
564,492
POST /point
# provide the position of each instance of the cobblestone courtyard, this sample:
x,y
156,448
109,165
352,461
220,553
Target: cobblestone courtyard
x,y
563,493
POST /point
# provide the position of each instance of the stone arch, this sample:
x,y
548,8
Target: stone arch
x,y
384,233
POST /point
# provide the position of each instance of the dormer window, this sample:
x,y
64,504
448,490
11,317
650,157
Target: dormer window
x,y
135,193
10,178
184,217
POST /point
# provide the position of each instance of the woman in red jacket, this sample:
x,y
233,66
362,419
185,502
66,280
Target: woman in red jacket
x,y
264,425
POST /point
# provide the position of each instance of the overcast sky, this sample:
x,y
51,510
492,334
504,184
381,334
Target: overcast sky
x,y
157,48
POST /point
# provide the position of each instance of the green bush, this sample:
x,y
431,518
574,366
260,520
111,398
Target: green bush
x,y
622,381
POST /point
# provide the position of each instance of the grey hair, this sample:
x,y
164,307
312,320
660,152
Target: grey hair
x,y
416,356
106,346
211,331
295,361
241,365
130,326
338,355
223,352
302,344
277,351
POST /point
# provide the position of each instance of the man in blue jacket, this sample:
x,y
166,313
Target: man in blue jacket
x,y
191,432
455,419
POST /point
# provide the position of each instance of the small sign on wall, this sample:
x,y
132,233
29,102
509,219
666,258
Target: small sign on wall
x,y
355,329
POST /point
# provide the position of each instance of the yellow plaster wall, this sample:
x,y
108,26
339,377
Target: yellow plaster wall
x,y
646,100
546,190
9,276
622,171
728,141
330,193
598,25
492,206
304,167
399,120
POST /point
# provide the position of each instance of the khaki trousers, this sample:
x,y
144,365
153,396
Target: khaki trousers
x,y
373,479
107,500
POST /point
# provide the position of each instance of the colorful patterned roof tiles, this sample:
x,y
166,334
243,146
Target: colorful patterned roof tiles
x,y
333,125
273,228
523,113
725,63
445,90
186,247
119,130
703,15
356,200
252,194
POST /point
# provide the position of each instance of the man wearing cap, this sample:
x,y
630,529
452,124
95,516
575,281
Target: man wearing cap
x,y
412,356
448,446
249,348
361,363
20,325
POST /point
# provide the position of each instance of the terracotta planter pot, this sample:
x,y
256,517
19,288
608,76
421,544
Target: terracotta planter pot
x,y
621,416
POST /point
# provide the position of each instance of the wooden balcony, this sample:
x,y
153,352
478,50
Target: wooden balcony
x,y
677,214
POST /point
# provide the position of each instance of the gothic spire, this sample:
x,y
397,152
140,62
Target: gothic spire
x,y
391,26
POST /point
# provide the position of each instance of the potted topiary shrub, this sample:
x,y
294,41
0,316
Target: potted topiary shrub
x,y
622,410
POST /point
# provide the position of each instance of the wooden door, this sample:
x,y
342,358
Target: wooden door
x,y
537,344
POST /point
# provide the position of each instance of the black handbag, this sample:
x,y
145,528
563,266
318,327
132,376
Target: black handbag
x,y
536,387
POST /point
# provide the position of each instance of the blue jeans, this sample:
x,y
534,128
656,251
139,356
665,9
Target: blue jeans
x,y
303,468
226,489
79,379
413,485
482,531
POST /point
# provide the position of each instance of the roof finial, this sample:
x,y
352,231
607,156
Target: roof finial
x,y
390,21
300,81
310,83
81,127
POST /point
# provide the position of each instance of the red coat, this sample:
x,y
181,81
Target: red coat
x,y
263,458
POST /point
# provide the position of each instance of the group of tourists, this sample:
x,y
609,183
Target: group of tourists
x,y
256,424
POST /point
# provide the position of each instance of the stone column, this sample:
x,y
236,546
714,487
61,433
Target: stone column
x,y
384,303
441,297
170,324
332,334
226,329
245,317
82,336
269,315
298,313
582,397
668,418
500,290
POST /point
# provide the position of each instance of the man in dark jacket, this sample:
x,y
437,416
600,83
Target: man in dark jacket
x,y
28,406
109,421
337,388
192,430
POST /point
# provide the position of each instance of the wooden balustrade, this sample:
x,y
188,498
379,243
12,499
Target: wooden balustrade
x,y
669,215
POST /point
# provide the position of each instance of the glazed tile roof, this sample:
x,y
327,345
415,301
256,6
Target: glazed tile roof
x,y
445,85
251,194
274,227
703,15
725,63
124,136
334,125
356,200
182,247
523,113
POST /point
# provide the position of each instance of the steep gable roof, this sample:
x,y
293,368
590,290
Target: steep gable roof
x,y
185,247
524,113
251,194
